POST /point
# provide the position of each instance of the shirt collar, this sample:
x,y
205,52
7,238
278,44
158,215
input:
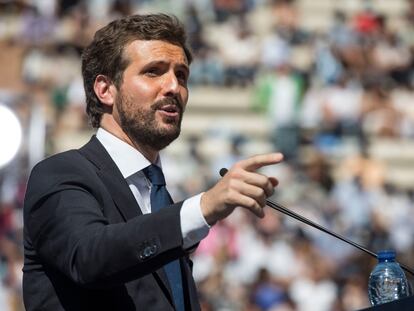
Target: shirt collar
x,y
128,159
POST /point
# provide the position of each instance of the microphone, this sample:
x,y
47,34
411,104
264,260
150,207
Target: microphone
x,y
288,212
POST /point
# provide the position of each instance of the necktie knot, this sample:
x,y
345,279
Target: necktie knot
x,y
155,175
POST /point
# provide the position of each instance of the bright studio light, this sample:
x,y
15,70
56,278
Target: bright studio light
x,y
10,135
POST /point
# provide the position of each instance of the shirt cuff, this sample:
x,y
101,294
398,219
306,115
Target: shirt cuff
x,y
194,227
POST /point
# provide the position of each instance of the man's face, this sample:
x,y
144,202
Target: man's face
x,y
153,94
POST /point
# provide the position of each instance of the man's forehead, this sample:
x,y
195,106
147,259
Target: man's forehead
x,y
155,49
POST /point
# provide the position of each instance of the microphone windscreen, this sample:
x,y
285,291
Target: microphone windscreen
x,y
223,171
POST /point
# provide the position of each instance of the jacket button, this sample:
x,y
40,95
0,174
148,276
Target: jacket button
x,y
147,251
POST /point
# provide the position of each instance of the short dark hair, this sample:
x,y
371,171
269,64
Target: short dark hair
x,y
105,54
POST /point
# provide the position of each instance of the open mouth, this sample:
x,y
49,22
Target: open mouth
x,y
170,110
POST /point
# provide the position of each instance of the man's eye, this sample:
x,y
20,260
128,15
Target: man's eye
x,y
182,76
152,72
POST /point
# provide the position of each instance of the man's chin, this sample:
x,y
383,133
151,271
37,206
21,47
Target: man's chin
x,y
163,141
162,138
171,135
169,128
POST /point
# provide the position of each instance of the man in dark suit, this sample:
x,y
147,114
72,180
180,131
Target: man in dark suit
x,y
101,232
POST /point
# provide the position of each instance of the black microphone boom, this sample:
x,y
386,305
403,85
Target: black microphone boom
x,y
288,212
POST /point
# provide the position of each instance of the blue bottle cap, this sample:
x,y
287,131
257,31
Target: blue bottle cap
x,y
386,255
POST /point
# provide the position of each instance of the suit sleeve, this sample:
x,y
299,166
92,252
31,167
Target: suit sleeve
x,y
69,232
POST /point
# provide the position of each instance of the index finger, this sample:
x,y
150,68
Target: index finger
x,y
258,161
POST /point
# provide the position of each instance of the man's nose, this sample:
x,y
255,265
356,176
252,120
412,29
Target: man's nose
x,y
171,86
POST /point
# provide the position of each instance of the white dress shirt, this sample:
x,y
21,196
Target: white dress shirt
x,y
131,163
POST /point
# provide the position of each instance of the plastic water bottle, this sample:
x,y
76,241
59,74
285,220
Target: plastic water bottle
x,y
387,281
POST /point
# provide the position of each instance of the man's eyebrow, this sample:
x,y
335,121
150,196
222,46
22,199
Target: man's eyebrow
x,y
163,63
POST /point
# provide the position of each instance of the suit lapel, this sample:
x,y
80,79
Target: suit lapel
x,y
112,178
119,190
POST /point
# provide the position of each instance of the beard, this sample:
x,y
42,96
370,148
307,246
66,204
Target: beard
x,y
141,125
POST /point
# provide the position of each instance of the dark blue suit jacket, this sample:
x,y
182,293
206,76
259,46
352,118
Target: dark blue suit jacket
x,y
88,246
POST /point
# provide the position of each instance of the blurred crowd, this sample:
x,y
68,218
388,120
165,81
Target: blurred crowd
x,y
329,94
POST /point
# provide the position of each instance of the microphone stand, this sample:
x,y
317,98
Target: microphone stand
x,y
288,212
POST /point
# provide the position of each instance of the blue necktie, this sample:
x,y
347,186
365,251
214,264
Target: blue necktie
x,y
160,198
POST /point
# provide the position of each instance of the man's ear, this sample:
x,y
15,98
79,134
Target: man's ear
x,y
105,90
